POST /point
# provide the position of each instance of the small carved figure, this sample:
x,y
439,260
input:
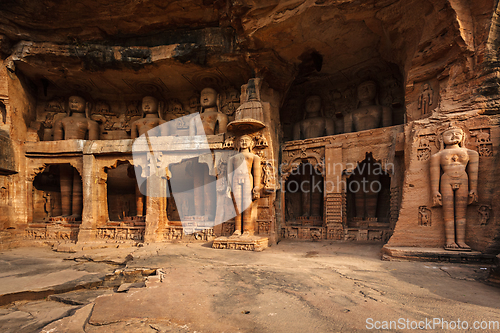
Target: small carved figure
x,y
369,114
314,124
244,178
484,214
212,120
483,137
424,215
151,110
457,186
425,99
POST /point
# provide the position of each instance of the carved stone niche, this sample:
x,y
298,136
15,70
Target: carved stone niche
x,y
368,195
482,141
57,195
122,195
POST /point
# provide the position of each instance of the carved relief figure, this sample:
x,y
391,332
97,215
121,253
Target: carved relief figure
x,y
244,178
212,121
151,110
369,114
314,124
484,214
424,216
457,186
425,99
74,126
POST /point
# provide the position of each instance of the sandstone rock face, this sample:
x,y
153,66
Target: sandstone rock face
x,y
426,63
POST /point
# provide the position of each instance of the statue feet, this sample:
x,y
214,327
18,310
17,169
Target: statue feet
x,y
463,246
452,247
236,233
246,234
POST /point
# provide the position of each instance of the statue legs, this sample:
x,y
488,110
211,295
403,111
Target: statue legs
x,y
454,192
66,181
71,191
205,194
242,192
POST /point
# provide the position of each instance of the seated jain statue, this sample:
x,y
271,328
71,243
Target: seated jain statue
x,y
456,187
314,124
75,126
244,177
212,120
369,114
151,110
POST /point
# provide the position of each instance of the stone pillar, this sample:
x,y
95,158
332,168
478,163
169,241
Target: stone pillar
x,y
334,189
91,199
156,208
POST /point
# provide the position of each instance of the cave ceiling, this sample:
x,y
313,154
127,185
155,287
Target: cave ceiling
x,y
115,47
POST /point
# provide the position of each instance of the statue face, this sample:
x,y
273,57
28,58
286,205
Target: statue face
x,y
208,97
177,108
367,91
313,104
77,104
245,142
453,136
149,104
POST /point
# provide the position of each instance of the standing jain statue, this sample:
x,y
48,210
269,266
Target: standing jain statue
x,y
148,125
456,187
312,126
244,177
210,122
76,125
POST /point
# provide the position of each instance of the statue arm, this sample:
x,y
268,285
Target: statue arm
x,y
93,130
473,170
296,131
164,128
230,173
133,130
435,176
256,177
386,116
330,127
192,126
58,131
223,123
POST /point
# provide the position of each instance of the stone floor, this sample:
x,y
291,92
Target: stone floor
x,y
291,287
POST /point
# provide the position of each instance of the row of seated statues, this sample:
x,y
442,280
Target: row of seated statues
x,y
77,126
368,115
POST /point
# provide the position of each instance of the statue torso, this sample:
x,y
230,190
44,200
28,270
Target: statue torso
x,y
313,127
454,161
75,127
146,124
367,117
209,120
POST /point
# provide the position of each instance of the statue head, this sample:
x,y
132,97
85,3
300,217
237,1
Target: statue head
x,y
367,91
208,98
76,104
451,135
150,105
245,141
313,104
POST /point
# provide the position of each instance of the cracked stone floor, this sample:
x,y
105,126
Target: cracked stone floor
x,y
290,287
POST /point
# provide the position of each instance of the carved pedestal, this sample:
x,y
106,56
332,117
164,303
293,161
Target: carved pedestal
x,y
251,243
